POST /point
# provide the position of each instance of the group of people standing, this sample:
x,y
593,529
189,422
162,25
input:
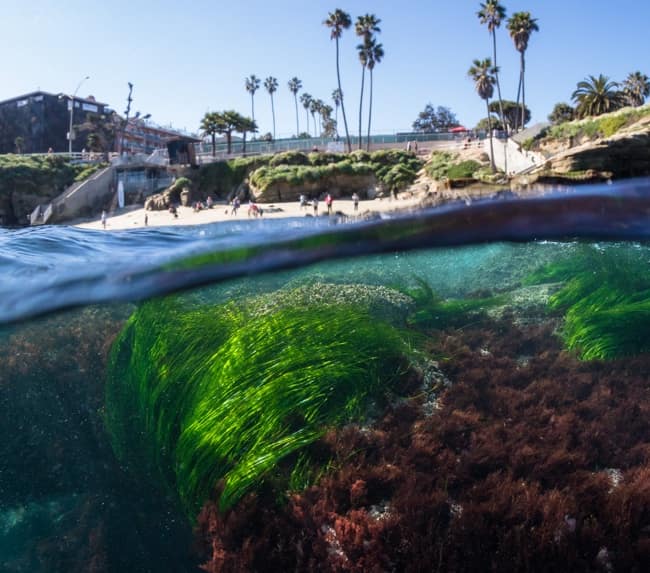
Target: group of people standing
x,y
329,201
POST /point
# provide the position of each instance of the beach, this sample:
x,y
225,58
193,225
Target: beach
x,y
131,218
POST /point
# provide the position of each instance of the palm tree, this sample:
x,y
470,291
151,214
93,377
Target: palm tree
x,y
366,26
636,88
520,26
294,87
252,85
336,98
271,85
375,55
210,126
492,13
338,21
483,74
246,125
595,96
305,100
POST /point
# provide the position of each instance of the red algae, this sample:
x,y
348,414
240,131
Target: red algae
x,y
533,461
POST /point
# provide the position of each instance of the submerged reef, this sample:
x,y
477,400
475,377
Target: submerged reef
x,y
231,396
532,461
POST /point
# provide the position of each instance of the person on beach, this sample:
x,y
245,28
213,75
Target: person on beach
x,y
355,200
173,211
253,209
103,219
303,201
236,203
146,219
208,202
315,205
328,202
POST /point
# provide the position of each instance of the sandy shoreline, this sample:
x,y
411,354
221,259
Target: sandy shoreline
x,y
133,218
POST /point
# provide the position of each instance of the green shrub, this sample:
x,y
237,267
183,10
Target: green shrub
x,y
463,170
611,124
289,158
438,164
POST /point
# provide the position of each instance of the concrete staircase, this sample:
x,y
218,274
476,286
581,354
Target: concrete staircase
x,y
77,200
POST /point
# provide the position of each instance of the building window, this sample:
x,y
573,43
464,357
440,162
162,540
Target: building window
x,y
22,103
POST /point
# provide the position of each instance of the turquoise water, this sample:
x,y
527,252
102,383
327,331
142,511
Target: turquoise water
x,y
88,327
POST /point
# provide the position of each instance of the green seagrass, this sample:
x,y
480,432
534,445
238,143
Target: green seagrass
x,y
218,397
606,300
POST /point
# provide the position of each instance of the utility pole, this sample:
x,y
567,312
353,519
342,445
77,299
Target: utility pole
x,y
71,104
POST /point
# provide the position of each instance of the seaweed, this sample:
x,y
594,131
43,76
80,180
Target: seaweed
x,y
538,467
605,297
431,311
218,396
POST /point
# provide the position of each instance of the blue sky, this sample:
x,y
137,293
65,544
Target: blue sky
x,y
186,58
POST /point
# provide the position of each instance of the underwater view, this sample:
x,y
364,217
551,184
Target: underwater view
x,y
462,389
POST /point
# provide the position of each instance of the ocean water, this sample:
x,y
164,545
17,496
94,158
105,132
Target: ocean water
x,y
466,388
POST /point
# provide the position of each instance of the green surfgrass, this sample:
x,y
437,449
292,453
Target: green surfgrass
x,y
217,398
605,297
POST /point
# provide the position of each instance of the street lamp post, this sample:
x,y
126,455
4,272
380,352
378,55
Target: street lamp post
x,y
72,114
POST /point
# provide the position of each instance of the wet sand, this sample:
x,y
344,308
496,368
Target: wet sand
x,y
131,218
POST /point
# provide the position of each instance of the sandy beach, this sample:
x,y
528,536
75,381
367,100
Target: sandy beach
x,y
131,218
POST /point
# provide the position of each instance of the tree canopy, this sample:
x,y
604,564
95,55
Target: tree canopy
x,y
432,120
561,113
511,113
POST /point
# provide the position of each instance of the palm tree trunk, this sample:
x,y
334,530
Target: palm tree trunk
x,y
273,114
253,106
345,119
313,118
307,115
496,75
214,144
503,121
369,113
295,100
487,105
517,104
363,77
229,140
243,148
523,90
336,121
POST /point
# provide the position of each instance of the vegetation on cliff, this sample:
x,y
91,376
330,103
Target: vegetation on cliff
x,y
41,173
449,167
294,171
27,180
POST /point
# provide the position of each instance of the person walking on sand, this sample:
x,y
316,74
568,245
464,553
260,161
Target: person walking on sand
x,y
355,200
236,203
104,219
328,202
303,201
315,205
146,219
